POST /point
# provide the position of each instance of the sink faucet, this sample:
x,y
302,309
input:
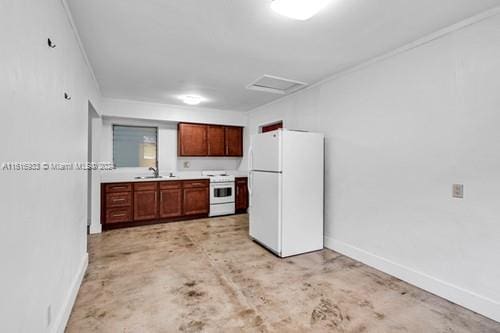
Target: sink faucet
x,y
156,171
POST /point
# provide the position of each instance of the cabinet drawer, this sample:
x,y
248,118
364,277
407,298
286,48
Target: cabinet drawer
x,y
118,199
116,215
195,183
147,186
171,185
122,187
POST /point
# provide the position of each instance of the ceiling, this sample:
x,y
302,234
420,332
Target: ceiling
x,y
156,50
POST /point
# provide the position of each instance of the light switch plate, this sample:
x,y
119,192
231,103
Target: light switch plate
x,y
187,164
458,191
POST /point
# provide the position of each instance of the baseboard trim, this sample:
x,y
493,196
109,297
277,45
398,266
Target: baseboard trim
x,y
95,228
63,317
478,303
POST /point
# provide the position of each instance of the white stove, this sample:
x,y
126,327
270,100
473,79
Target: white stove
x,y
221,192
219,177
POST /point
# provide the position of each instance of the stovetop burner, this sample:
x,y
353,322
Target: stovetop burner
x,y
218,176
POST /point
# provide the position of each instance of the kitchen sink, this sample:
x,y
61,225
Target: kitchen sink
x,y
148,177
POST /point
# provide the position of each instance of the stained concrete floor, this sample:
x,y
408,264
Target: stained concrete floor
x,y
207,276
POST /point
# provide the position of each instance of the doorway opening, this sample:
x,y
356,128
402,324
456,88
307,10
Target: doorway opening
x,y
93,116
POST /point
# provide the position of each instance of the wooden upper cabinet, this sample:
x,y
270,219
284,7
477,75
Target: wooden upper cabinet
x,y
216,140
209,140
234,141
192,139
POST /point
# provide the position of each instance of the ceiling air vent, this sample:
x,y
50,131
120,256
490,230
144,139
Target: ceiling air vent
x,y
276,85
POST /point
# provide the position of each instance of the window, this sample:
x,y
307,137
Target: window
x,y
134,146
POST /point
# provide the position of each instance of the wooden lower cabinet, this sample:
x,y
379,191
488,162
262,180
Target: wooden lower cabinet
x,y
119,199
153,201
171,203
116,203
196,201
241,198
145,205
118,215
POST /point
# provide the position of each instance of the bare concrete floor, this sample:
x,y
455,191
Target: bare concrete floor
x,y
206,275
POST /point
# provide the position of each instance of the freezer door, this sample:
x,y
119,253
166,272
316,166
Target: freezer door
x,y
265,212
265,151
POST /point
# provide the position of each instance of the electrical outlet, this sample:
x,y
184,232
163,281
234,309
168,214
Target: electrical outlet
x,y
458,191
187,165
49,315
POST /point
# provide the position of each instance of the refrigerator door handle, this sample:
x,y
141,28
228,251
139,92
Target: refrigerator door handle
x,y
250,158
250,186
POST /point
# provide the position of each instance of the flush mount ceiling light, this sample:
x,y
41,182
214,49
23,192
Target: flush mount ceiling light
x,y
191,99
298,9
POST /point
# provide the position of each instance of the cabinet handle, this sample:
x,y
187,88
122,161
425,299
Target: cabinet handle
x,y
117,200
118,215
118,187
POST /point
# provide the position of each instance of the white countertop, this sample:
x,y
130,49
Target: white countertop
x,y
130,178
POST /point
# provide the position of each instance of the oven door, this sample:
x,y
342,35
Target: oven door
x,y
221,193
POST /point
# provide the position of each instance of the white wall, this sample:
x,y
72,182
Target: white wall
x,y
166,118
95,197
136,112
43,228
173,113
399,133
167,150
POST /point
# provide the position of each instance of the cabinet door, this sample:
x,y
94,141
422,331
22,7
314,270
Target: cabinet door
x,y
145,205
234,141
170,203
216,141
196,201
192,140
241,194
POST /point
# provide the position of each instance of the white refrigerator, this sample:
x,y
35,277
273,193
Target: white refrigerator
x,y
286,191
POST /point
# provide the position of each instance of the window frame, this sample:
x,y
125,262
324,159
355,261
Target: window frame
x,y
157,159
